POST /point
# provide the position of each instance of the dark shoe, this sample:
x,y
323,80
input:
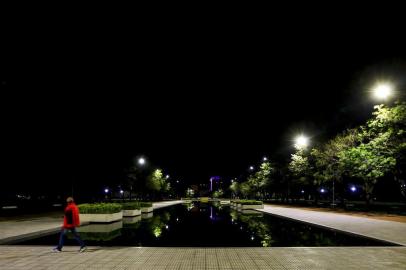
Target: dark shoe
x,y
82,249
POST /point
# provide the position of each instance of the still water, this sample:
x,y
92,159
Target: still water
x,y
208,225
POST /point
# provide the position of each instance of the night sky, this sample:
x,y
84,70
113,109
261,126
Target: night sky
x,y
194,104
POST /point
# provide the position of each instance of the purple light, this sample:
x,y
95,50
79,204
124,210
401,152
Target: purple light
x,y
215,178
353,189
106,190
322,190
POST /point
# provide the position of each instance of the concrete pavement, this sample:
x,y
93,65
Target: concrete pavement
x,y
390,231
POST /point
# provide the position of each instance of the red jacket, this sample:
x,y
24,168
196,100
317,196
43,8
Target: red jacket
x,y
71,218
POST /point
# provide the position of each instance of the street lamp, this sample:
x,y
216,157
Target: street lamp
x,y
167,176
251,168
382,91
106,190
265,159
353,188
301,142
141,161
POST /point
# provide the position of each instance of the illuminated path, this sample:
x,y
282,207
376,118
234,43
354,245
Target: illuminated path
x,y
391,231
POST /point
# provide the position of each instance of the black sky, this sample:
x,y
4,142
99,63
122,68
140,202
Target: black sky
x,y
79,106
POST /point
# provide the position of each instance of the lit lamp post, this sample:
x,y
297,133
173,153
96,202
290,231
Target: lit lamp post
x,y
382,91
301,142
106,192
141,161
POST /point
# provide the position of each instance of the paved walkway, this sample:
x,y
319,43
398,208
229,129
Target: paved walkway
x,y
391,231
40,257
29,227
158,205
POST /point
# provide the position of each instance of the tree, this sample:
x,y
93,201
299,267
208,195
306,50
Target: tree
x,y
368,161
261,179
245,189
300,167
155,180
390,124
235,188
218,194
327,158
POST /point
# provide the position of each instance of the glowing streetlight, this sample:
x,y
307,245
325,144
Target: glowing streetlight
x,y
167,176
353,189
265,159
322,190
106,190
301,142
141,161
382,91
251,168
121,191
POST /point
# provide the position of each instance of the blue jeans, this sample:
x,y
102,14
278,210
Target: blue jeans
x,y
75,235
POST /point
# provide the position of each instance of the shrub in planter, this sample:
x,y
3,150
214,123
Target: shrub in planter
x,y
131,206
100,212
99,208
250,202
131,209
145,204
146,207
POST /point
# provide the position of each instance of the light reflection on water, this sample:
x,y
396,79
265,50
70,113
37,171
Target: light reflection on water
x,y
201,224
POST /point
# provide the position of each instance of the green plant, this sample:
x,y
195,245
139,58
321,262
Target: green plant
x,y
145,204
131,206
250,202
99,208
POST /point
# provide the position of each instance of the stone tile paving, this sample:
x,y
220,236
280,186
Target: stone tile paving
x,y
41,257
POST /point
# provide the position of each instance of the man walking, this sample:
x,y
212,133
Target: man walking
x,y
70,222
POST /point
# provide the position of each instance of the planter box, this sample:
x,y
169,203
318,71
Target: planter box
x,y
131,220
252,206
251,212
147,209
131,213
101,228
100,218
147,215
